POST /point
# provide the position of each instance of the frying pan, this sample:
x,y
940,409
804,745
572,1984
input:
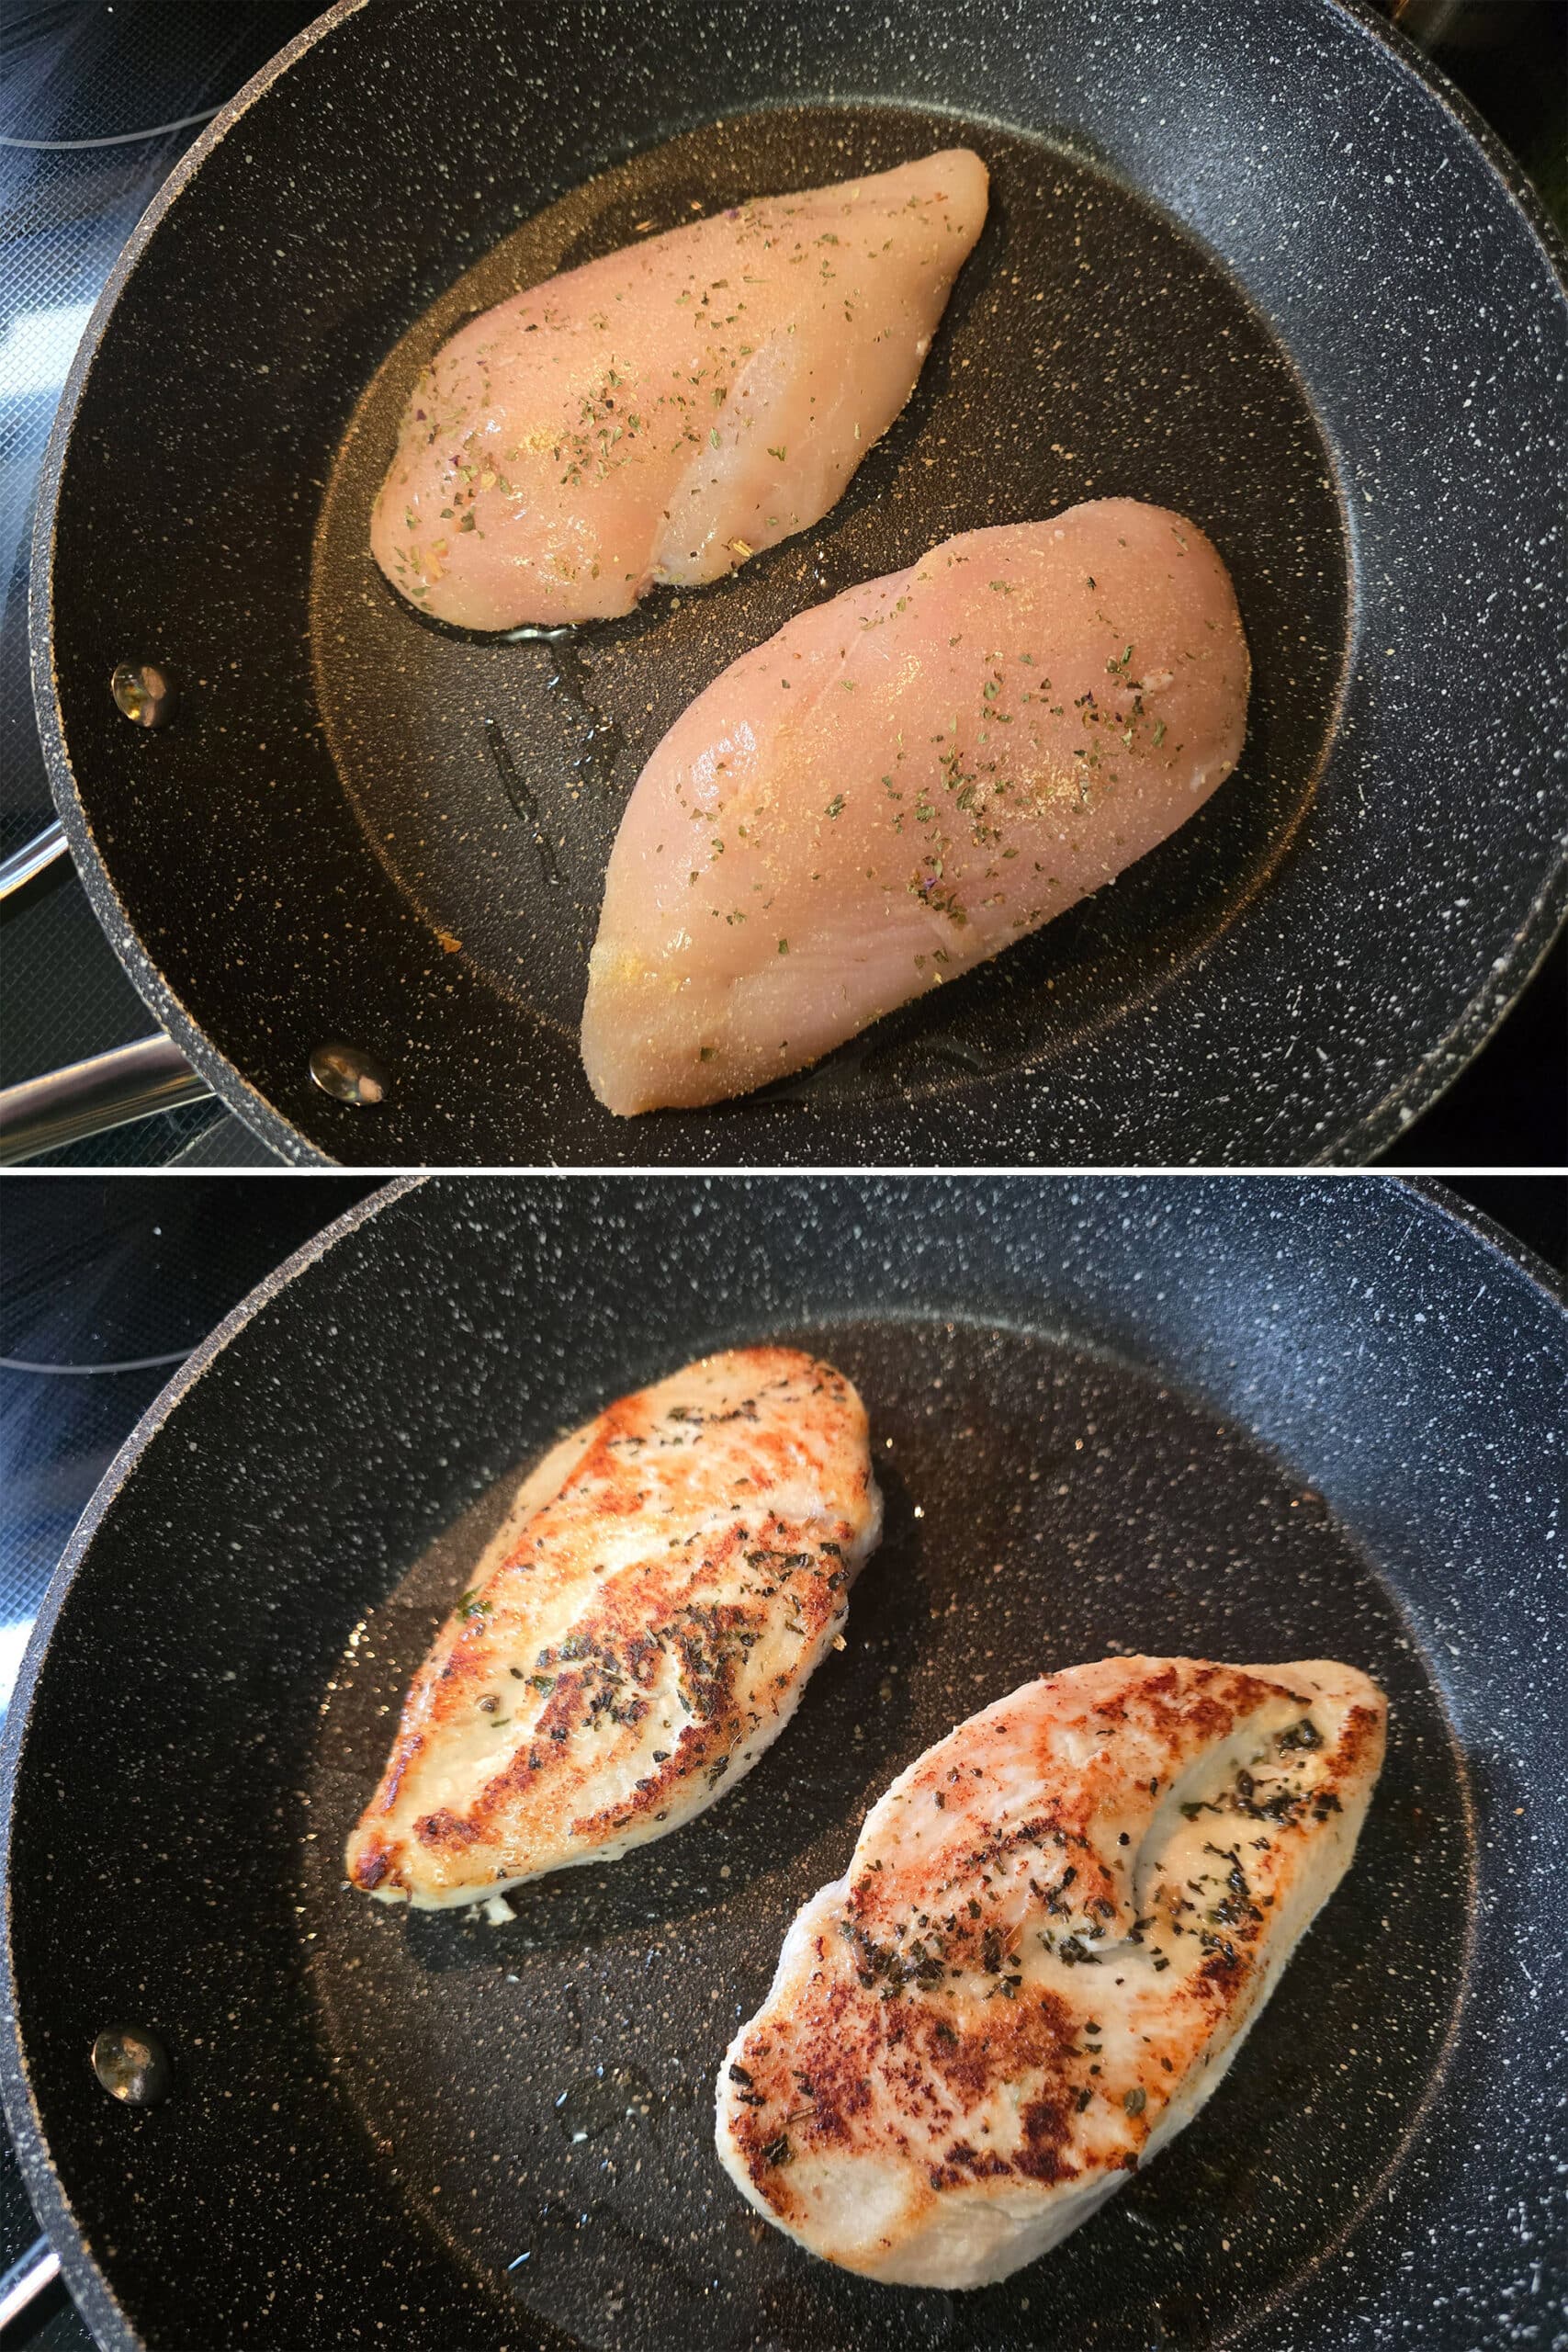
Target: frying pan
x,y
1264,1420
1256,263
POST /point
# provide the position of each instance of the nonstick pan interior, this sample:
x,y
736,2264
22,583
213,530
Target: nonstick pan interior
x,y
1200,284
1238,1419
547,2091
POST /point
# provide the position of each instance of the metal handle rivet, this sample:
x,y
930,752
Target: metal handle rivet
x,y
133,2065
349,1074
143,693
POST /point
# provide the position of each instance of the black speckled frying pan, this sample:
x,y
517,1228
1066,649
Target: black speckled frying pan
x,y
1257,1420
1253,262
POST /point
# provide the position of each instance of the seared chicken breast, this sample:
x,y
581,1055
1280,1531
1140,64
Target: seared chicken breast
x,y
1055,1928
670,1575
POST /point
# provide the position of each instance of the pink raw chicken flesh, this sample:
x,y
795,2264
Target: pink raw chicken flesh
x,y
661,413
902,781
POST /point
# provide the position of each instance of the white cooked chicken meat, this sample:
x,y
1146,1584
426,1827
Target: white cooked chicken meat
x,y
670,1575
1054,1931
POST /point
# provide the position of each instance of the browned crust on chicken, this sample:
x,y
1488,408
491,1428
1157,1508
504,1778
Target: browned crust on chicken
x,y
648,1630
1003,1934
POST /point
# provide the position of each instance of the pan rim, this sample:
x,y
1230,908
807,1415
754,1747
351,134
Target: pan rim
x,y
1355,1140
85,2278
228,1081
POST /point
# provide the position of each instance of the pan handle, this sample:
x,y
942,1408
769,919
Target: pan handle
x,y
31,858
87,1098
25,2280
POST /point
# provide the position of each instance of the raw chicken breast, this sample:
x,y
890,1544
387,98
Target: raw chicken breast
x,y
1055,1929
900,783
661,413
636,1637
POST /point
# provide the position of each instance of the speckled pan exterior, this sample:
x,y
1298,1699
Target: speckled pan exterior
x,y
1256,1419
1255,263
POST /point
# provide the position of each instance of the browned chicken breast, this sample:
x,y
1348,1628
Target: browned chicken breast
x,y
1055,1929
670,1575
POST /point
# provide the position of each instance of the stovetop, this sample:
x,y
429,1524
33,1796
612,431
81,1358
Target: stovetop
x,y
109,1282
98,99
99,102
106,1282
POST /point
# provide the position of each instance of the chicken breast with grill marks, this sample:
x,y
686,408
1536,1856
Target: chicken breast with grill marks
x,y
643,1630
1054,1931
661,413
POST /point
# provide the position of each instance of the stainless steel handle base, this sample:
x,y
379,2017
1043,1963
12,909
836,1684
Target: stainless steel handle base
x,y
88,1098
25,2280
30,859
